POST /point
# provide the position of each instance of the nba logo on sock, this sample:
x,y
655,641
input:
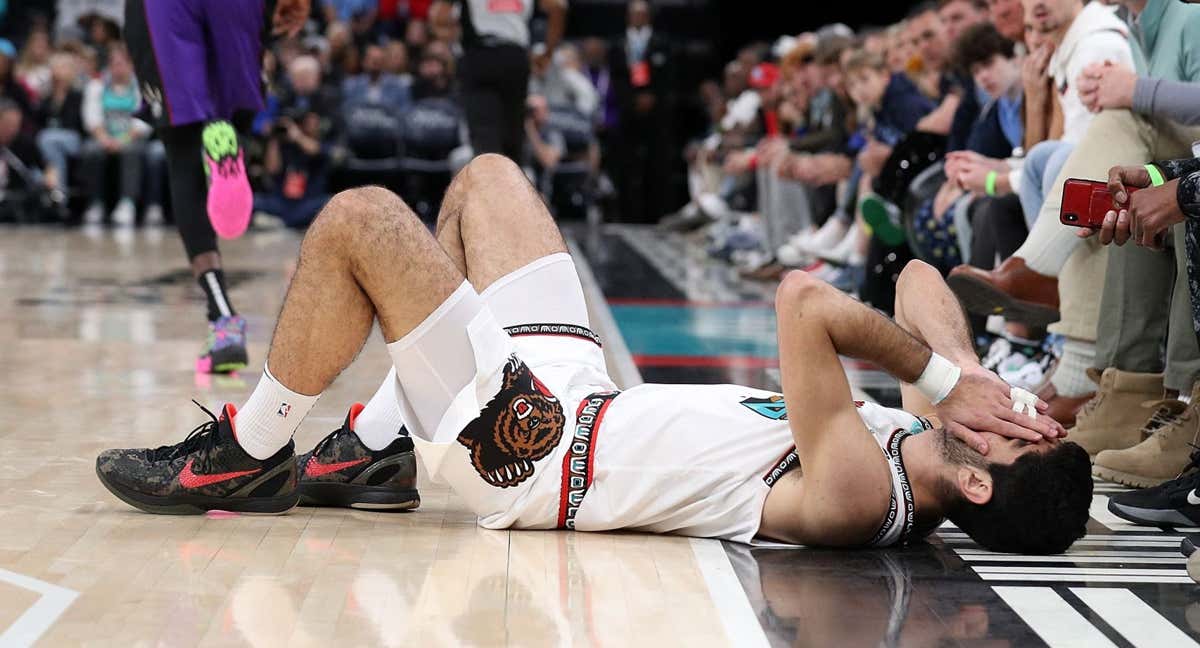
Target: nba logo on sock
x,y
284,408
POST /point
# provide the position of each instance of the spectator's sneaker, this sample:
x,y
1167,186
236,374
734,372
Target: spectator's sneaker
x,y
341,471
1173,503
154,215
94,214
225,350
229,197
125,213
884,219
206,471
829,235
687,219
846,252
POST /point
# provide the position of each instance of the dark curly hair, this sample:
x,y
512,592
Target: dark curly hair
x,y
978,44
1039,503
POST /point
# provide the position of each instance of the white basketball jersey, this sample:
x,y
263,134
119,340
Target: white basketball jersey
x,y
699,460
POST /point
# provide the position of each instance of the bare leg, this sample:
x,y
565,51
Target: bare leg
x,y
366,255
493,221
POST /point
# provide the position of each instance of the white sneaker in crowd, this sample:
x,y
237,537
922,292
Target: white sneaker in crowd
x,y
831,233
124,214
154,215
845,252
94,214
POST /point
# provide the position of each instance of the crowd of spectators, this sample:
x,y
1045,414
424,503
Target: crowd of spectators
x,y
947,137
367,92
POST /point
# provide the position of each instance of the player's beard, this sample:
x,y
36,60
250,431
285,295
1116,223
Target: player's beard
x,y
955,453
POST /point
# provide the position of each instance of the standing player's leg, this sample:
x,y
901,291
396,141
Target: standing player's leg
x,y
366,256
170,35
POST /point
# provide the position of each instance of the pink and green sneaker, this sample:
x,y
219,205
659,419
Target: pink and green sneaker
x,y
225,350
230,200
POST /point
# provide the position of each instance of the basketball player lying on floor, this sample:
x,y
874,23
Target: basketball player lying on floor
x,y
505,393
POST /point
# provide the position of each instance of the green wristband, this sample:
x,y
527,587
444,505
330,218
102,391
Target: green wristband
x,y
1156,177
989,183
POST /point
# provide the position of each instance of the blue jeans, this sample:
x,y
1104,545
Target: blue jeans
x,y
57,145
294,213
1042,164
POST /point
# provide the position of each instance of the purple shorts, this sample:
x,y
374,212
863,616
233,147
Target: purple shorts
x,y
198,60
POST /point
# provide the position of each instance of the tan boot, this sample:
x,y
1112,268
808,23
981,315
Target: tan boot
x,y
1113,419
1163,455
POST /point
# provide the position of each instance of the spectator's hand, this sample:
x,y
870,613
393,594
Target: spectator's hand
x,y
1116,228
1152,211
982,402
110,144
738,162
972,177
1034,74
872,158
290,16
1104,85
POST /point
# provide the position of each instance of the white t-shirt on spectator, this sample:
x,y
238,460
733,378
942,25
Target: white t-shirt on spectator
x,y
1095,36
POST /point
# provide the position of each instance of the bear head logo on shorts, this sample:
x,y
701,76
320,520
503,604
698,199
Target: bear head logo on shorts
x,y
520,425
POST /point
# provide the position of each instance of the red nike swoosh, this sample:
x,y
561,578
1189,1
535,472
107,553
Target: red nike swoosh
x,y
189,479
316,468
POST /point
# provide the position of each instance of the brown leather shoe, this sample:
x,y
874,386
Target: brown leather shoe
x,y
1012,290
1062,408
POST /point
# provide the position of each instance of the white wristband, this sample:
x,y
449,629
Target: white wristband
x,y
940,376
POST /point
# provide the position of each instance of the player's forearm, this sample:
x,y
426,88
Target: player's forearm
x,y
859,331
927,309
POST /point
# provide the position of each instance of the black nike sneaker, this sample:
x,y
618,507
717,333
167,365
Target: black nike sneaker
x,y
207,471
341,471
1173,503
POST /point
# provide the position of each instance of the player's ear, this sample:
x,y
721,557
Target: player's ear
x,y
975,484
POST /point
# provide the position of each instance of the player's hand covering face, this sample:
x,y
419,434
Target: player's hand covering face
x,y
982,402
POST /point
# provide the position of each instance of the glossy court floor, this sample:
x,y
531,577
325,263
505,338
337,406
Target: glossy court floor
x,y
99,332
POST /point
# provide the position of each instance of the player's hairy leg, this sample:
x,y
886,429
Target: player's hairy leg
x,y
493,221
366,255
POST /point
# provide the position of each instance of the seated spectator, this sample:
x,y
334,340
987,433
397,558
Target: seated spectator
x,y
375,85
306,93
109,104
10,87
397,61
21,179
545,144
560,81
359,15
433,77
33,68
60,114
298,164
595,68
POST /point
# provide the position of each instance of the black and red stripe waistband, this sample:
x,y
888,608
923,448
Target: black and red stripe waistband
x,y
578,464
559,330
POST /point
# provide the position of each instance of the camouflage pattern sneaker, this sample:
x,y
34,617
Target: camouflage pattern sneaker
x,y
206,471
225,349
341,471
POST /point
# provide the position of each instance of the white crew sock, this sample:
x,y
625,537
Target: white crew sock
x,y
270,417
1070,378
1049,244
380,422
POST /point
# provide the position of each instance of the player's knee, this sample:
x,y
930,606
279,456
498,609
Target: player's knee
x,y
492,165
916,271
349,211
797,287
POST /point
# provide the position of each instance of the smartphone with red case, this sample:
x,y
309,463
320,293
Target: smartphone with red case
x,y
1085,202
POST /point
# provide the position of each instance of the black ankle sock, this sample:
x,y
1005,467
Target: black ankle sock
x,y
213,284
